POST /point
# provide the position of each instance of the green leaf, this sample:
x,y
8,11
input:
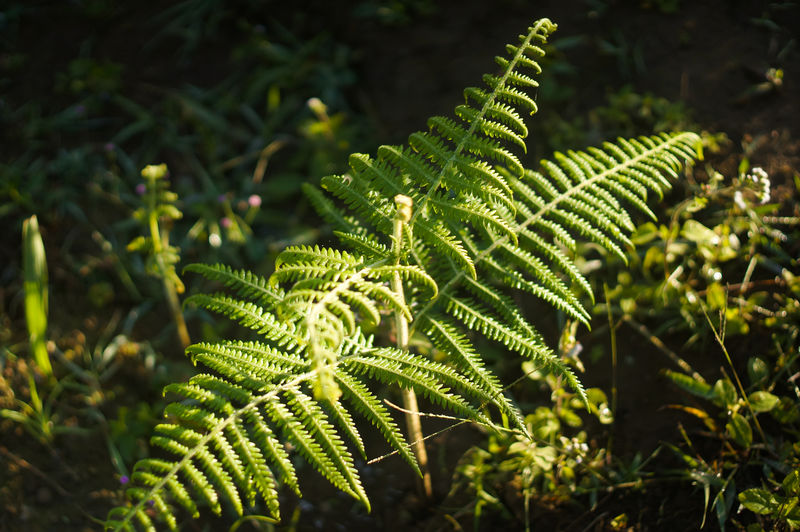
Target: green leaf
x,y
723,502
791,484
36,298
691,385
645,233
763,401
758,500
725,393
716,297
699,233
757,370
739,430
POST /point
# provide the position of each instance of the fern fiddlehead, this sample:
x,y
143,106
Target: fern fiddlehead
x,y
481,227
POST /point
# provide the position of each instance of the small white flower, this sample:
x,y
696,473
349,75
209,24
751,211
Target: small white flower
x,y
759,173
739,200
214,240
760,177
765,187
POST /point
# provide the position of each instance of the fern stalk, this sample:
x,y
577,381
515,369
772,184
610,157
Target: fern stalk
x,y
413,424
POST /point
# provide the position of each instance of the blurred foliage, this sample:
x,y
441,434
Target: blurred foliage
x,y
722,268
240,137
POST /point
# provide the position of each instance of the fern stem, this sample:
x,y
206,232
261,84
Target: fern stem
x,y
177,314
413,423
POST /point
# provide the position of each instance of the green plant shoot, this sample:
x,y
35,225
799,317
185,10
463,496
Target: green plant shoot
x,y
158,205
36,294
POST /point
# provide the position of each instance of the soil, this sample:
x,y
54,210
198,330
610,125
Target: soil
x,y
705,54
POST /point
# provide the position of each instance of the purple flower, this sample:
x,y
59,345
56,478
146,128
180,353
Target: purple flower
x,y
141,188
222,198
254,201
124,479
226,222
109,146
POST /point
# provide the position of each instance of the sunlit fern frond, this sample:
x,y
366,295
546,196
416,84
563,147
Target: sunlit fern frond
x,y
226,438
331,292
480,229
581,196
449,172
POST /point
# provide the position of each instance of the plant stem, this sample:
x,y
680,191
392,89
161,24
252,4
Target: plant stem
x,y
160,243
612,328
413,424
175,305
720,337
661,346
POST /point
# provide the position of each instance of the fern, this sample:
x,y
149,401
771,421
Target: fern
x,y
439,233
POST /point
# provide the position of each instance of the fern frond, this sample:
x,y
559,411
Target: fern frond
x,y
538,246
502,305
447,338
250,315
549,286
485,148
429,378
346,424
319,257
244,283
354,391
371,207
366,245
476,228
475,212
478,318
411,273
335,461
238,360
491,128
328,210
443,241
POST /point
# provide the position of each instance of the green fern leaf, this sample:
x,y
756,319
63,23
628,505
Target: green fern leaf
x,y
441,233
242,282
249,315
369,406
